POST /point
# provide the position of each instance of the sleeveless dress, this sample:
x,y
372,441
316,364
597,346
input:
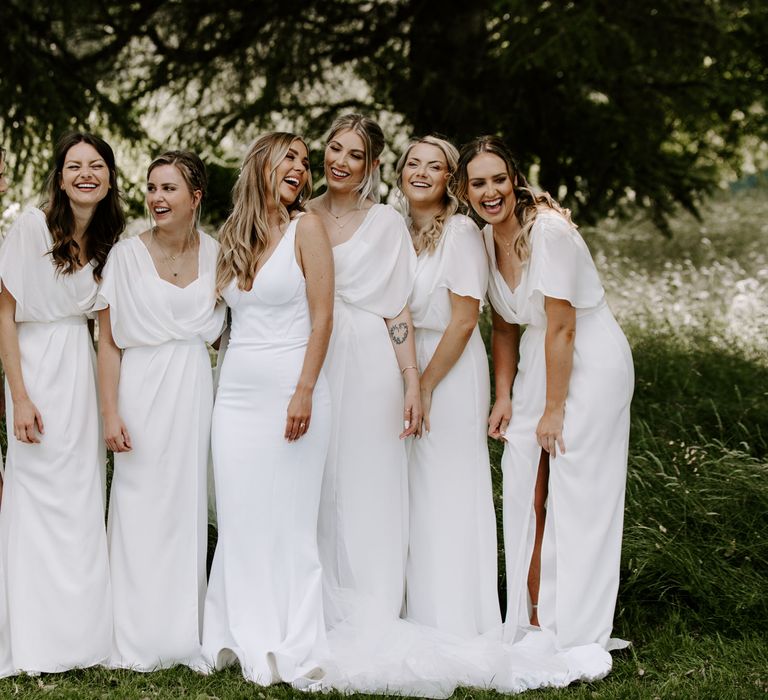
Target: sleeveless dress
x,y
363,528
451,574
582,539
158,501
264,606
55,607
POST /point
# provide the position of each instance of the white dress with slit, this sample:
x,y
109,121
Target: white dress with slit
x,y
55,607
363,528
451,579
374,652
264,606
158,500
582,538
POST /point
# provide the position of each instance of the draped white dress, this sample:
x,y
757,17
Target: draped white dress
x,y
54,575
158,500
371,650
363,528
582,538
451,573
264,606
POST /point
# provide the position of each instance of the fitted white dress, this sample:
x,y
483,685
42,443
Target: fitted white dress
x,y
363,528
264,606
451,579
158,500
582,538
54,575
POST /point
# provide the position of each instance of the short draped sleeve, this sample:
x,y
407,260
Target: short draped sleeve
x,y
27,271
140,310
560,266
463,262
375,269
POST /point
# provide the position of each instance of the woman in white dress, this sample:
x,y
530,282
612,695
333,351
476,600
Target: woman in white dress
x,y
55,607
566,425
451,573
3,190
157,312
363,528
271,424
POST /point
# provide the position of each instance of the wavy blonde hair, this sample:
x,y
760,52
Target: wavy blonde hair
x,y
427,237
245,234
373,144
528,201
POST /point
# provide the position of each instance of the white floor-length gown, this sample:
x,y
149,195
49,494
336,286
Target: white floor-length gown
x,y
264,606
374,652
582,539
363,529
451,579
54,575
158,500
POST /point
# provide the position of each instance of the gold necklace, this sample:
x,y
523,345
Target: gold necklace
x,y
506,247
168,258
340,216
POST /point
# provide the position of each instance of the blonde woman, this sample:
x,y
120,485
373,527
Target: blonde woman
x,y
371,368
271,424
566,424
451,574
158,311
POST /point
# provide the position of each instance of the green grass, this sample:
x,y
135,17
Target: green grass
x,y
694,592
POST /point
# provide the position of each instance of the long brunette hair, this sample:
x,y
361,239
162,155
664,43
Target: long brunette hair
x,y
106,224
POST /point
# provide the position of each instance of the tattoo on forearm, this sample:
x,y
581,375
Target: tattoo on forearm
x,y
398,332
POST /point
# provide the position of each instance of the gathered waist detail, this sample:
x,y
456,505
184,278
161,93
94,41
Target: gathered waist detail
x,y
65,321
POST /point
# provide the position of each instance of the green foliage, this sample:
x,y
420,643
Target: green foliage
x,y
611,105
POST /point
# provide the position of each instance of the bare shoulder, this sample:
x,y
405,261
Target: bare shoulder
x,y
310,225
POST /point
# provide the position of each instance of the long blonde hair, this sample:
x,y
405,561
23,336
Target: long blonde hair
x,y
373,144
528,201
245,234
428,237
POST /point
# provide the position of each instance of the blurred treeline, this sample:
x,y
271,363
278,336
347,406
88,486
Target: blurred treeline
x,y
611,104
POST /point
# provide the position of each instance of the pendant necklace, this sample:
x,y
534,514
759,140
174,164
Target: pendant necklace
x,y
340,216
168,258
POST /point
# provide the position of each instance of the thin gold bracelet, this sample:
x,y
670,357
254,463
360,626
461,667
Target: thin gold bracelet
x,y
402,371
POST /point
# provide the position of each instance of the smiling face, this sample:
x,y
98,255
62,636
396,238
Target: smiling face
x,y
169,199
490,190
345,161
85,176
292,172
424,177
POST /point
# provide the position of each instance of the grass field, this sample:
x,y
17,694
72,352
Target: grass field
x,y
694,594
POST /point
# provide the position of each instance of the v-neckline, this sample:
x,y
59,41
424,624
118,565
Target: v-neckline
x,y
357,230
495,262
271,255
157,272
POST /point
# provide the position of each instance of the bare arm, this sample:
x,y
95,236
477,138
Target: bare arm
x,y
25,414
558,352
464,313
316,260
115,433
401,334
505,349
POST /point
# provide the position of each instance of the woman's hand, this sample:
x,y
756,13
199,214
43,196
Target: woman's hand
x,y
549,432
426,405
412,413
500,416
116,434
299,413
25,418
